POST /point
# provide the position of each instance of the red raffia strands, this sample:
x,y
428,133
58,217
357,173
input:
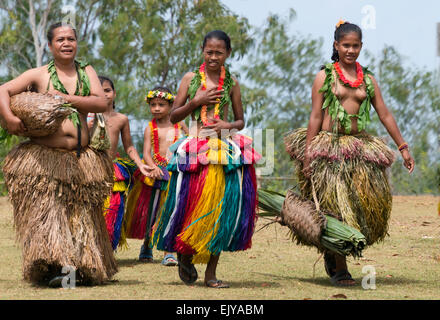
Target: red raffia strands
x,y
360,75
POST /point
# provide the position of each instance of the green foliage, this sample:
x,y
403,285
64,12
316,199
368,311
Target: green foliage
x,y
155,42
276,90
414,100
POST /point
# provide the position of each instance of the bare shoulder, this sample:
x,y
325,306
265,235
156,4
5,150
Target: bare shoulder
x,y
188,77
319,79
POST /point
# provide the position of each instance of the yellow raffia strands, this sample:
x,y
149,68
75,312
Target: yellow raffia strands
x,y
106,205
119,186
196,235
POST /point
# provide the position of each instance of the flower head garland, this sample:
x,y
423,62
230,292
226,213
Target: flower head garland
x,y
345,81
159,94
157,157
221,81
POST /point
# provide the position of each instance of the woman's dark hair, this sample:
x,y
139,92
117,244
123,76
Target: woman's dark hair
x,y
102,79
341,31
220,35
55,26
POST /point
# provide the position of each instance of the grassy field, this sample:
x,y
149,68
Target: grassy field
x,y
407,266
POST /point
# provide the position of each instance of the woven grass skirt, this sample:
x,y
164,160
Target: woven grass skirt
x,y
212,201
349,176
57,200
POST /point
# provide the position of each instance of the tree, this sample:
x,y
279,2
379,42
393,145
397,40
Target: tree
x,y
155,42
278,78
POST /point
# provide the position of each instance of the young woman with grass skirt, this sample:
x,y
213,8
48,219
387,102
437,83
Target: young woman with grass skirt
x,y
336,158
211,203
56,183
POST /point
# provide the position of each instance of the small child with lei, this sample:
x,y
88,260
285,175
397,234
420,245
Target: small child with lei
x,y
149,191
211,203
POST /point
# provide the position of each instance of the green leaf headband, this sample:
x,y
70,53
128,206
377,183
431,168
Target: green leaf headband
x,y
159,94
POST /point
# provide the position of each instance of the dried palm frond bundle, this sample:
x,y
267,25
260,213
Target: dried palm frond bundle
x,y
41,113
57,200
349,176
310,226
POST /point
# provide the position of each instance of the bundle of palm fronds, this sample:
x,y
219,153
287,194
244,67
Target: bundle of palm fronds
x,y
310,226
41,113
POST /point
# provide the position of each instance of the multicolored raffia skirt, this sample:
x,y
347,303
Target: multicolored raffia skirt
x,y
212,199
114,205
143,204
57,200
349,176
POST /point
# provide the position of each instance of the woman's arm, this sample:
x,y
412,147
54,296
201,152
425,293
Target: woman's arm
x,y
95,102
387,119
316,118
181,109
20,84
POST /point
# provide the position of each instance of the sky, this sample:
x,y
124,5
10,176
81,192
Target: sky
x,y
410,26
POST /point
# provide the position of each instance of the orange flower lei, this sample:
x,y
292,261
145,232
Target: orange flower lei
x,y
221,81
157,157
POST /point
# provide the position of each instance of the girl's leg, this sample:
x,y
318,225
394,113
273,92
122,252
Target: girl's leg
x,y
210,274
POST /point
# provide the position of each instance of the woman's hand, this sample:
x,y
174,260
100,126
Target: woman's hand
x,y
15,126
155,173
207,97
408,161
217,125
145,169
56,93
307,169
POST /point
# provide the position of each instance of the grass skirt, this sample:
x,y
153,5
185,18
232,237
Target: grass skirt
x,y
57,200
349,176
212,200
114,205
143,204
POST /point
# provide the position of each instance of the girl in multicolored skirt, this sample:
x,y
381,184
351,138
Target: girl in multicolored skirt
x,y
212,199
149,190
336,159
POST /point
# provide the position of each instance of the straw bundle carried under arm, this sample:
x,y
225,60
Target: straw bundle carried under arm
x,y
41,113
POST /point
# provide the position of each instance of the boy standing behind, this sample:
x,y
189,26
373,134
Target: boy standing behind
x,y
117,124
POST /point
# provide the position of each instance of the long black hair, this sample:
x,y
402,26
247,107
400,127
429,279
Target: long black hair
x,y
340,32
220,35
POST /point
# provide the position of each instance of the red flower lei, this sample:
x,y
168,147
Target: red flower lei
x,y
221,81
360,75
157,157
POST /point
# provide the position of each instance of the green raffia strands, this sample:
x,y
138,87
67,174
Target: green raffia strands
x,y
270,202
83,83
337,236
336,111
196,81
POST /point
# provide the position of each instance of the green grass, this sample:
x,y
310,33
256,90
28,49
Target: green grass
x,y
407,266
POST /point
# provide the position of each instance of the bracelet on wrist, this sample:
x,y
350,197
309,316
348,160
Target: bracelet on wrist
x,y
403,146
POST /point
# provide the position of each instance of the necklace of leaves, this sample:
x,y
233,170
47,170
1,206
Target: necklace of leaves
x,y
82,85
225,81
336,111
